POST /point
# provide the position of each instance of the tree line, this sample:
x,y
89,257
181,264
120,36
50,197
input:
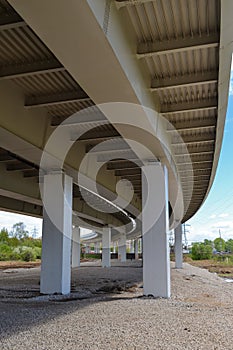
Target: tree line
x,y
17,244
206,249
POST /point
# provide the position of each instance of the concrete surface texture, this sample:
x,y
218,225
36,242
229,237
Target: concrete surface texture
x,y
107,310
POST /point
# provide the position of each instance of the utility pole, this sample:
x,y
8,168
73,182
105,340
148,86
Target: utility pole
x,y
220,236
171,240
185,231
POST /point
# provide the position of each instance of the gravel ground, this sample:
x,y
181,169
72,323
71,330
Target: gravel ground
x,y
107,310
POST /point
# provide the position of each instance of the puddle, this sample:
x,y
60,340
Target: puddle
x,y
229,280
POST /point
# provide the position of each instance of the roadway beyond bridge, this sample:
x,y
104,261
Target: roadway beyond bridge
x,y
112,116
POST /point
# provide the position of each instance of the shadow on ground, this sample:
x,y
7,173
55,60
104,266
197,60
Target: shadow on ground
x,y
22,306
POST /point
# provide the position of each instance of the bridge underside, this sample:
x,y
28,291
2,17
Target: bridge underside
x,y
147,83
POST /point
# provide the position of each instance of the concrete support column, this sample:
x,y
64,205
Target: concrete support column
x,y
178,247
57,234
87,249
106,243
76,247
114,247
122,248
136,249
132,246
140,245
97,247
155,221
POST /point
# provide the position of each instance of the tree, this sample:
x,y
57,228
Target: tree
x,y
229,245
208,242
219,244
4,236
19,231
201,251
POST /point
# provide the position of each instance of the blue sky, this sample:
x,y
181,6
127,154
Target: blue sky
x,y
215,214
217,211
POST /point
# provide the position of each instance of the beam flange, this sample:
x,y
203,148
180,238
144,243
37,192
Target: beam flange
x,y
56,99
83,119
135,182
31,173
18,167
196,188
184,80
191,123
194,138
199,148
132,177
128,172
124,3
197,42
10,21
26,69
126,156
200,105
200,165
193,178
99,135
194,158
114,148
196,170
122,165
6,157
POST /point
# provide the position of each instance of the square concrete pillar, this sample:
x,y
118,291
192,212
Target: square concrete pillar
x,y
114,247
155,221
76,247
122,248
106,243
178,247
56,234
136,248
132,246
97,247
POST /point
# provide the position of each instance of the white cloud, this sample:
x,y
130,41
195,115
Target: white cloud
x,y
231,86
212,216
223,215
231,80
210,230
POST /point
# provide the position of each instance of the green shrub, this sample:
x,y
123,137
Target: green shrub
x,y
37,242
93,256
14,256
13,242
28,255
201,251
37,252
224,259
5,252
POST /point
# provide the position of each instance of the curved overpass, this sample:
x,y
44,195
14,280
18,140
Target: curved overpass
x,y
149,80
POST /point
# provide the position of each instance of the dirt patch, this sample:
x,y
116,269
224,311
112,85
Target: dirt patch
x,y
4,265
18,264
212,266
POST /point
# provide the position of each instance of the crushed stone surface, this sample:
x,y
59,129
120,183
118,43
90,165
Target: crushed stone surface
x,y
106,310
